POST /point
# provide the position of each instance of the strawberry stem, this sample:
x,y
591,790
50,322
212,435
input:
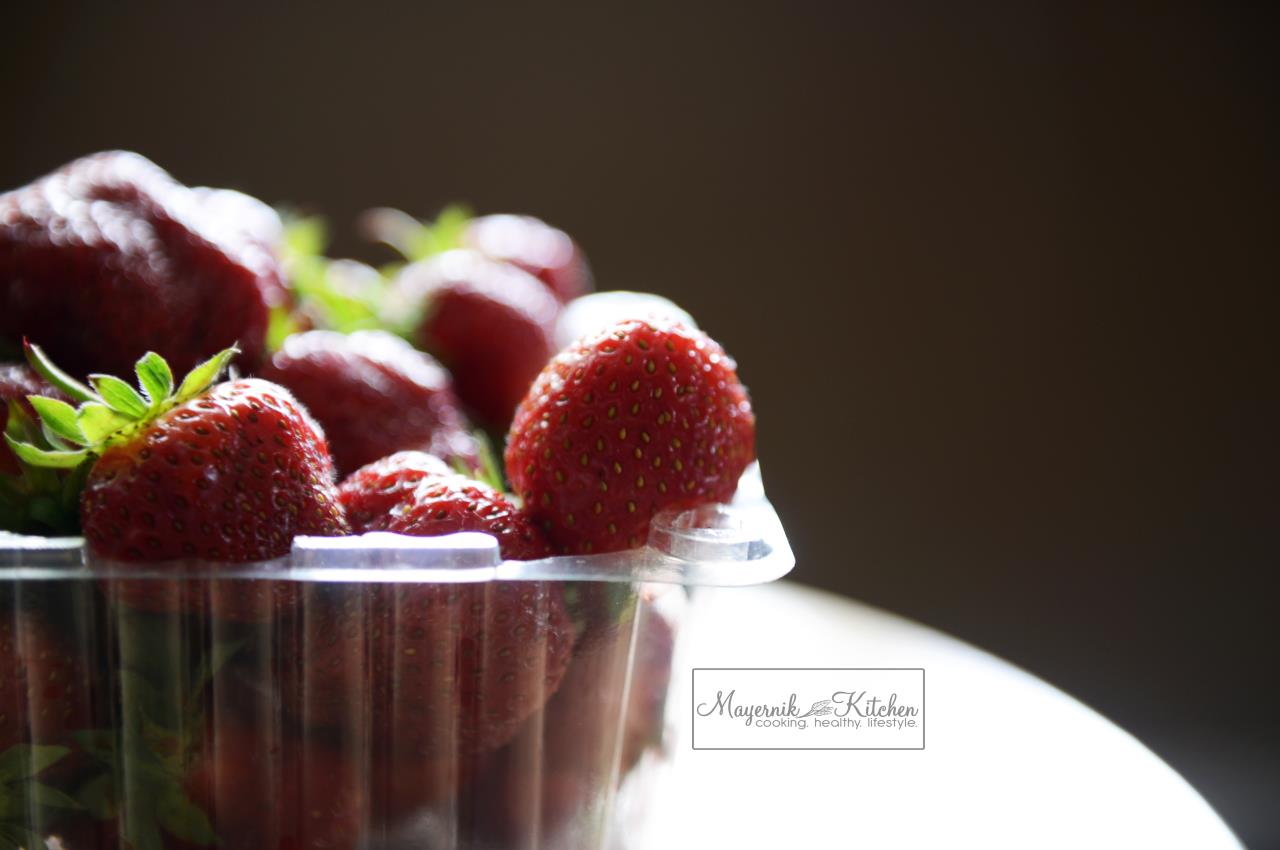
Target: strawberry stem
x,y
51,373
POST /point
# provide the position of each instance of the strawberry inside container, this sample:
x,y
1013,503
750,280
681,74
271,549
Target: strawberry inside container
x,y
365,691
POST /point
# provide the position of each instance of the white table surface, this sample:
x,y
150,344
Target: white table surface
x,y
1010,761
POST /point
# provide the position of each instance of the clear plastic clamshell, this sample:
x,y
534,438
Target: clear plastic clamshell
x,y
378,691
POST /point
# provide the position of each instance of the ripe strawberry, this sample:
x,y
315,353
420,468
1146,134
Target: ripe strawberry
x,y
109,257
230,473
44,686
489,322
543,251
642,416
464,665
373,394
435,505
267,790
451,670
368,494
564,756
573,752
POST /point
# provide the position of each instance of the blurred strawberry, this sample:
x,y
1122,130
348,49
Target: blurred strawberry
x,y
44,685
642,416
109,257
543,251
267,790
561,767
374,395
489,322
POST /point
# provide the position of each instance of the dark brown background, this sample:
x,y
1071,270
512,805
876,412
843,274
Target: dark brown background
x,y
999,277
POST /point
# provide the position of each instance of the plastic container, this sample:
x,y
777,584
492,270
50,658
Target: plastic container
x,y
366,692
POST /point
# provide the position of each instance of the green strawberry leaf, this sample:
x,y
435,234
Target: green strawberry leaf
x,y
22,761
142,834
19,837
49,459
119,396
414,239
281,324
140,695
98,797
99,743
98,422
219,654
304,236
183,819
48,796
58,417
155,378
201,377
51,373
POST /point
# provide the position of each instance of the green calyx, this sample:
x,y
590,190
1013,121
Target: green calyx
x,y
345,296
26,804
414,239
109,410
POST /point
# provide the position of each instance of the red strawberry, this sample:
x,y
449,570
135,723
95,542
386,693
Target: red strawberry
x,y
368,494
109,257
489,322
642,416
228,474
44,686
453,669
437,505
464,665
267,790
563,758
573,752
543,251
373,394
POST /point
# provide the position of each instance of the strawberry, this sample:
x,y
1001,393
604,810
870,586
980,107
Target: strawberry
x,y
563,757
44,686
571,754
267,790
452,669
373,394
543,251
436,504
109,257
228,473
489,322
463,665
642,416
368,494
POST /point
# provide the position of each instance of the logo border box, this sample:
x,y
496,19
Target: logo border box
x,y
693,730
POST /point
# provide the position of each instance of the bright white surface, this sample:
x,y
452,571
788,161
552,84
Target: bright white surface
x,y
1010,761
